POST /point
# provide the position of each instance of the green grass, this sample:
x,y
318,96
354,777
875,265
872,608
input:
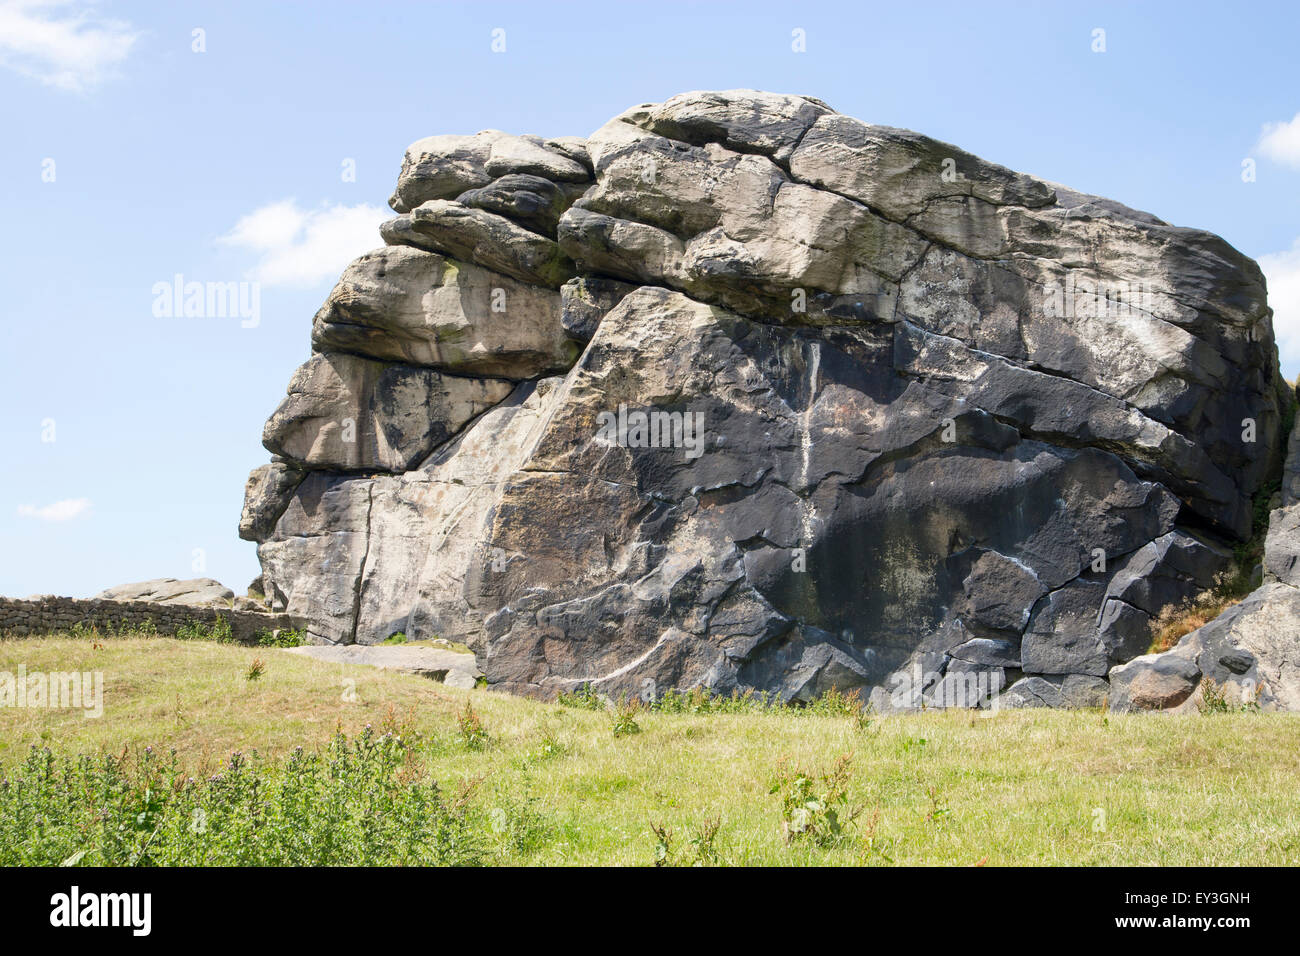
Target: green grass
x,y
534,783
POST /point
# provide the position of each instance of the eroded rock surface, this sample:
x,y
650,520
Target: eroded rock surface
x,y
743,392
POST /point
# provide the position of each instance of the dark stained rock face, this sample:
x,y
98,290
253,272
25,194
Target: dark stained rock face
x,y
745,393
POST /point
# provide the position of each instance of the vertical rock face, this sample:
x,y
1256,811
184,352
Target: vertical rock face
x,y
743,392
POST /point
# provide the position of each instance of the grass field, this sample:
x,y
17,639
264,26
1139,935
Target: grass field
x,y
553,784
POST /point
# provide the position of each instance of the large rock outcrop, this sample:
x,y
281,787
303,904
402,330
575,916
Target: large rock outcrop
x,y
743,392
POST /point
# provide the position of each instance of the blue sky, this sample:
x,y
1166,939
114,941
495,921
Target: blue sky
x,y
129,157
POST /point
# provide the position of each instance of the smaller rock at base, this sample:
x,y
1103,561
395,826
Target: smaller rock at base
x,y
460,678
1072,691
1153,682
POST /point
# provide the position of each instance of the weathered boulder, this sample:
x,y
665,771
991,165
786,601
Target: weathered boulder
x,y
486,238
266,495
1154,682
419,308
746,121
195,592
354,414
1071,691
781,400
531,201
442,167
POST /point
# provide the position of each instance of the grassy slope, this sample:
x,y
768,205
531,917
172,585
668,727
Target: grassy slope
x,y
1017,787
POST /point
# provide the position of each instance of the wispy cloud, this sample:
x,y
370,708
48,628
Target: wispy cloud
x,y
301,247
1280,142
62,43
1282,270
58,511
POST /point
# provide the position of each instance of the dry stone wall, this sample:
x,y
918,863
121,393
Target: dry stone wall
x,y
22,618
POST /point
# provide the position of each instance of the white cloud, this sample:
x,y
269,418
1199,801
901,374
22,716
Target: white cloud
x,y
302,247
61,43
58,511
1280,142
1282,270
